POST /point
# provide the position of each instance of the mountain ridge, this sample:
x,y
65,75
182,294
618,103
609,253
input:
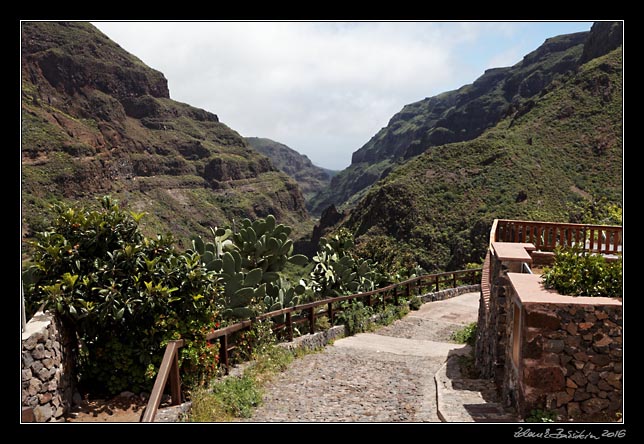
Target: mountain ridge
x,y
310,178
557,158
96,120
461,114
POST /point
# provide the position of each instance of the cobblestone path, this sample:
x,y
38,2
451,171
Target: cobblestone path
x,y
386,376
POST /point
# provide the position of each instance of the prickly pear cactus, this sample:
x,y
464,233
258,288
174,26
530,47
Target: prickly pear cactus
x,y
248,263
337,272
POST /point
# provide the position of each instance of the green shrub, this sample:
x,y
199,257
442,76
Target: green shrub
x,y
254,342
239,395
415,302
578,273
392,313
124,296
538,415
355,316
466,335
236,397
233,397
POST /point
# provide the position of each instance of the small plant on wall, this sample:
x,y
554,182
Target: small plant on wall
x,y
579,273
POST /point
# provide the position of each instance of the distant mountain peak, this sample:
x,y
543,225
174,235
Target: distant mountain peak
x,y
309,177
465,113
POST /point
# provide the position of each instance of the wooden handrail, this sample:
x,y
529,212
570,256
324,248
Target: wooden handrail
x,y
546,236
493,231
169,368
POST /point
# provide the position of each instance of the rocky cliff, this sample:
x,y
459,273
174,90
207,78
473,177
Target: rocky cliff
x,y
96,120
558,157
465,113
310,178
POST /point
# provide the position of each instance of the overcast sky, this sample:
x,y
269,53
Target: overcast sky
x,y
323,88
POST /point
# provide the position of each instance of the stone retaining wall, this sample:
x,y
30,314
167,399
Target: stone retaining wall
x,y
491,336
449,293
47,384
571,361
316,340
559,354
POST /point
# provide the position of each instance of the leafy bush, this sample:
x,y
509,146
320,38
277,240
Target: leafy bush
x,y
415,302
124,296
597,211
466,335
538,415
392,313
578,273
355,316
236,397
233,397
254,342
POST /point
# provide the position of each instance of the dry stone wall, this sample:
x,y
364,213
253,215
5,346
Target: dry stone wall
x,y
491,325
571,361
47,384
568,358
449,293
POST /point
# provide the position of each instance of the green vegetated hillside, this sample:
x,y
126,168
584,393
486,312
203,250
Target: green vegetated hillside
x,y
97,121
310,178
558,151
465,113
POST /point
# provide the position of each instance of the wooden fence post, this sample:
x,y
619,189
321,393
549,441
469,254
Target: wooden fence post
x,y
312,320
223,352
175,380
289,327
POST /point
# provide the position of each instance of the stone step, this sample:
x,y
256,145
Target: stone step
x,y
467,400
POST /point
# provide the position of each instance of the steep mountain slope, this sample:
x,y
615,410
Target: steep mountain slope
x,y
542,161
462,114
96,120
309,177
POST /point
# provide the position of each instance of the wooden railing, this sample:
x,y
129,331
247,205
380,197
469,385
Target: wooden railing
x,y
546,236
169,368
299,314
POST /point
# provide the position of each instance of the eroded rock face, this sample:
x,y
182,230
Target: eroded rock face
x,y
96,121
455,116
74,55
465,113
603,37
310,178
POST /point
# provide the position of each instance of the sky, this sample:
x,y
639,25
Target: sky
x,y
323,88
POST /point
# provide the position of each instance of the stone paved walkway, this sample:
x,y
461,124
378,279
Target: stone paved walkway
x,y
401,373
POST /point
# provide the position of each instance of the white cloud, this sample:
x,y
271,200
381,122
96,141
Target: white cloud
x,y
509,57
324,89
